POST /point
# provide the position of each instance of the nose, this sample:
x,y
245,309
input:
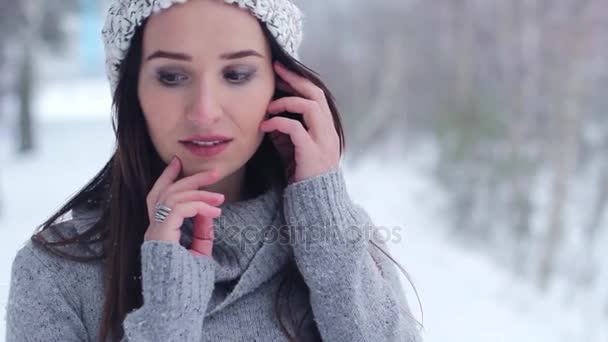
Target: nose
x,y
203,108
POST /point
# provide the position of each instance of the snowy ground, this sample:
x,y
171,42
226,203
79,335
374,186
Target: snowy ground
x,y
464,297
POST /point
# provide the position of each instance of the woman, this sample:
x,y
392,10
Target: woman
x,y
221,216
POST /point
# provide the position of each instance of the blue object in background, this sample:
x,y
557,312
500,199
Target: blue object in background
x,y
91,49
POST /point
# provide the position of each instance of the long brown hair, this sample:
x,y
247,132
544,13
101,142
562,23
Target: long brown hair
x,y
120,188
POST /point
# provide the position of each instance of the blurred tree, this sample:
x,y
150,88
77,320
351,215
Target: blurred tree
x,y
25,26
370,64
512,91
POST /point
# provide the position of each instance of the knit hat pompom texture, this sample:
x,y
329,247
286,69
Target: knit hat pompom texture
x,y
282,18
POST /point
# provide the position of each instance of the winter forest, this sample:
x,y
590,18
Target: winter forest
x,y
478,128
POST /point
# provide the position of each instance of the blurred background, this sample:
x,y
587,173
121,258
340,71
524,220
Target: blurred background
x,y
476,134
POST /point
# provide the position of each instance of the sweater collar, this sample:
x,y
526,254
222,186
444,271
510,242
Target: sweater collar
x,y
238,233
239,249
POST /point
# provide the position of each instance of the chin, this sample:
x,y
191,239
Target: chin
x,y
190,170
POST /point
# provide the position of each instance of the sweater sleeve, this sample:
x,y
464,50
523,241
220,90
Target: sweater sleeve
x,y
176,289
39,308
355,291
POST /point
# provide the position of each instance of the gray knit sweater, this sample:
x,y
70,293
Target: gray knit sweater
x,y
354,291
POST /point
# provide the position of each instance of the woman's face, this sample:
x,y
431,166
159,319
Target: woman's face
x,y
193,84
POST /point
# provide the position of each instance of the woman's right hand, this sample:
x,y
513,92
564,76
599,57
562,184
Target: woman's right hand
x,y
185,200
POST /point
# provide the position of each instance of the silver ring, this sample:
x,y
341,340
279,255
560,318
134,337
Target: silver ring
x,y
161,212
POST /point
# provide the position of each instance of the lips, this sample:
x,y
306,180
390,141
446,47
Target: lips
x,y
206,151
206,138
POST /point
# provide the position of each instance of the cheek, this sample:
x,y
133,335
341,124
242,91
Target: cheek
x,y
254,107
249,115
156,105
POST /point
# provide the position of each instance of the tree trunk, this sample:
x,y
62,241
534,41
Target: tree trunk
x,y
564,156
26,136
381,116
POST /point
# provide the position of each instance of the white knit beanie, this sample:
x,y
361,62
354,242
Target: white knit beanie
x,y
282,18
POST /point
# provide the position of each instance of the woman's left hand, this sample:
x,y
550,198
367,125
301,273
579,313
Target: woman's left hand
x,y
316,150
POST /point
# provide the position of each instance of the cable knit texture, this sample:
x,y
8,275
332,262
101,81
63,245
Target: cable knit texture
x,y
352,290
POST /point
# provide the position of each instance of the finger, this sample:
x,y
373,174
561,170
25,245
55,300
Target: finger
x,y
194,195
308,108
203,228
175,219
195,253
202,247
280,140
299,136
302,85
202,237
196,181
283,86
284,146
164,180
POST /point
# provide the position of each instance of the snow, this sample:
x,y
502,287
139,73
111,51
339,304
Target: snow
x,y
90,100
465,296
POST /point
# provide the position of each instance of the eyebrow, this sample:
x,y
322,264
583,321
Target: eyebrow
x,y
185,57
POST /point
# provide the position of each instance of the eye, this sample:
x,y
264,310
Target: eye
x,y
170,79
238,77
